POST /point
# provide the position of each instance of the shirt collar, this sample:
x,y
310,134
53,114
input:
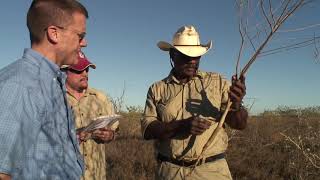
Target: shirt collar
x,y
172,79
44,63
87,92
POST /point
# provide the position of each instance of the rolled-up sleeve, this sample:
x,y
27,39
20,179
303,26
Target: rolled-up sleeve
x,y
18,127
150,111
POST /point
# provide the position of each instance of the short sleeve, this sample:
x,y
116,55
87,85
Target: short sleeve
x,y
18,128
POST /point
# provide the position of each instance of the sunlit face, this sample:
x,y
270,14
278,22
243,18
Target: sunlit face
x,y
77,80
72,39
185,66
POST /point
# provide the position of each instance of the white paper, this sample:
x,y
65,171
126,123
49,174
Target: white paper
x,y
100,122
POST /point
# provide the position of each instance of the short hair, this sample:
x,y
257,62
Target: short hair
x,y
44,13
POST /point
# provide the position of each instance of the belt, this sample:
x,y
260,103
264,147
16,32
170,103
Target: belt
x,y
161,158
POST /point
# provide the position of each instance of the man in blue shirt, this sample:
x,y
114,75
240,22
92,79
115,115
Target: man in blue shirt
x,y
37,135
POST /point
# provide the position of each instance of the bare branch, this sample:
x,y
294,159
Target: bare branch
x,y
283,11
255,55
240,50
274,28
291,46
300,147
316,50
270,12
118,102
264,14
251,41
300,29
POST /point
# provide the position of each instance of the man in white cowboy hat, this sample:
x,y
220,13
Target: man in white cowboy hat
x,y
183,109
88,103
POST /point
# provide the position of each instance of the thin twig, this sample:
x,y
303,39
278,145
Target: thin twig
x,y
241,49
291,46
270,12
303,152
300,29
265,15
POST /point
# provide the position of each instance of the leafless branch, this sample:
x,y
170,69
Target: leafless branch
x,y
312,158
265,15
241,48
281,19
274,20
309,42
270,12
118,102
300,29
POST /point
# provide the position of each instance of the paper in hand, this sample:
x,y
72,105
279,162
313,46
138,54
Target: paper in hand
x,y
100,122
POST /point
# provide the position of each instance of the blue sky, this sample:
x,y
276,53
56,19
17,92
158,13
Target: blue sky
x,y
122,38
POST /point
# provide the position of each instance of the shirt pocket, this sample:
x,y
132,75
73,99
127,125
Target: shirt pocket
x,y
170,110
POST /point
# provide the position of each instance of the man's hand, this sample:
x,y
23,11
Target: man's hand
x,y
196,125
83,136
103,135
237,117
237,91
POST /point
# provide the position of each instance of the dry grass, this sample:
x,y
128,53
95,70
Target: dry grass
x,y
129,157
280,144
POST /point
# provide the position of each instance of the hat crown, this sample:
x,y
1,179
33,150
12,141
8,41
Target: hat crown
x,y
186,36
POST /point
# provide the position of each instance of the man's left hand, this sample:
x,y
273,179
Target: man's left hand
x,y
103,135
237,91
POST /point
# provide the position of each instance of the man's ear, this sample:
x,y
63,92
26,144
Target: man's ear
x,y
52,34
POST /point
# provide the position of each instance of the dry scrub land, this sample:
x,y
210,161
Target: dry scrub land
x,y
279,144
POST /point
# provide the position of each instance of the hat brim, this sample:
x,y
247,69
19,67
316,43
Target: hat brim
x,y
93,66
192,51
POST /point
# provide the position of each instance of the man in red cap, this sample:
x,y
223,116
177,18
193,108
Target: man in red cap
x,y
87,104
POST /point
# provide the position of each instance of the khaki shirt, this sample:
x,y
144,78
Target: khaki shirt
x,y
168,100
93,104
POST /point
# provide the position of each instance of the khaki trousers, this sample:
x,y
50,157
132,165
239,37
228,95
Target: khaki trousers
x,y
217,170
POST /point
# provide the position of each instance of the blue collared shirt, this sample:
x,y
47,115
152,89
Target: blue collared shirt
x,y
37,134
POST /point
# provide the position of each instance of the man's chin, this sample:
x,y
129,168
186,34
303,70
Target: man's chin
x,y
84,85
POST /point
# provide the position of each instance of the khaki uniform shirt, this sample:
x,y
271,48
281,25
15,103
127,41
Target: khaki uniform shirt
x,y
168,100
93,104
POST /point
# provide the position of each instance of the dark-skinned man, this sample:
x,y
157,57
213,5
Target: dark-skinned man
x,y
183,109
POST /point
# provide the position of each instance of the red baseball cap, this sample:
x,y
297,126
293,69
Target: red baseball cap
x,y
83,63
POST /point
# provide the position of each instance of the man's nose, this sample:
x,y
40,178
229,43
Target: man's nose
x,y
193,61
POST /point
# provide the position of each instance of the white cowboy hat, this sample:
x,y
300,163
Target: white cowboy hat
x,y
187,41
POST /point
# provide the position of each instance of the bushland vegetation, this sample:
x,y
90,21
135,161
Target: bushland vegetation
x,y
280,144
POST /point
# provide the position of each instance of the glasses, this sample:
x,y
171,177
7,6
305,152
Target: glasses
x,y
78,72
81,35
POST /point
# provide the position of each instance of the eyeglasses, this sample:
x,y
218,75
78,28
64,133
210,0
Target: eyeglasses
x,y
78,72
81,35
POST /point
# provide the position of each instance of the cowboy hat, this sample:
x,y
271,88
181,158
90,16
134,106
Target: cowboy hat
x,y
187,41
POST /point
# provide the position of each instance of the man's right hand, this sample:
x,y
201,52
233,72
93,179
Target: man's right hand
x,y
162,131
196,125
